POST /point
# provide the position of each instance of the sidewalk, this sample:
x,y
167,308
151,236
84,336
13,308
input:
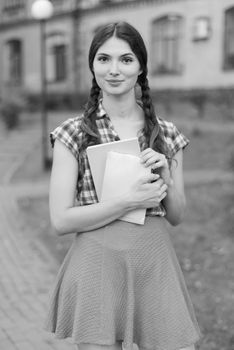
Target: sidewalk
x,y
26,274
27,271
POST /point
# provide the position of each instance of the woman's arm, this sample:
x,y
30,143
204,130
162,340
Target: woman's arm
x,y
175,201
68,218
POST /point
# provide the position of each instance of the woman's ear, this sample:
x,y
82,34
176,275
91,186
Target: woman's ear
x,y
140,72
138,92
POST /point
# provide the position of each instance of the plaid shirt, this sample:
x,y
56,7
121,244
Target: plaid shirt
x,y
69,133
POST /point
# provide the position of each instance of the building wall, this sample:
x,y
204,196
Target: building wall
x,y
30,36
202,61
205,59
20,25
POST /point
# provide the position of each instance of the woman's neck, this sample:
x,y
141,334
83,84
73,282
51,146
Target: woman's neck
x,y
122,107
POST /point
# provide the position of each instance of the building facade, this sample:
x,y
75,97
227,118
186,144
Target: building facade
x,y
190,43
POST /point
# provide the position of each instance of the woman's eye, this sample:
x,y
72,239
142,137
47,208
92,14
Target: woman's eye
x,y
102,59
127,60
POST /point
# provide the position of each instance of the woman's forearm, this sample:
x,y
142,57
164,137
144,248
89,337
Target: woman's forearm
x,y
89,217
174,204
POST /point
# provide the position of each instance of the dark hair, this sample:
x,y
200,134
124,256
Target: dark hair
x,y
124,31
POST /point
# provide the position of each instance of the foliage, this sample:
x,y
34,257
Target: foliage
x,y
231,160
11,109
10,112
199,101
226,103
56,101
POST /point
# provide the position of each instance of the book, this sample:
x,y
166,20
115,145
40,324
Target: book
x,y
121,172
97,155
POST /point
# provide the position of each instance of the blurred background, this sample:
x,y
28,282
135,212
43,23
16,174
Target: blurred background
x,y
44,79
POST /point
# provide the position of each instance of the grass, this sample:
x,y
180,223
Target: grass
x,y
204,150
204,242
205,246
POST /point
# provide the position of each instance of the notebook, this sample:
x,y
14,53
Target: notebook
x,y
97,158
120,174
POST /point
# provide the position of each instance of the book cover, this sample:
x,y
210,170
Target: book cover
x,y
121,172
97,158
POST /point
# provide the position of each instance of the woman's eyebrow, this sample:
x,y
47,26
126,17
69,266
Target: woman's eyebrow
x,y
102,54
106,54
127,54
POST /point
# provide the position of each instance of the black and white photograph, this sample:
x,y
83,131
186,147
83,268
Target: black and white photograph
x,y
116,174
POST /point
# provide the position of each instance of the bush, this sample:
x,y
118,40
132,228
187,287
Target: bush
x,y
231,160
56,101
10,113
199,100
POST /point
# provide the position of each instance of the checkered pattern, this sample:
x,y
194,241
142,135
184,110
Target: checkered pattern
x,y
70,134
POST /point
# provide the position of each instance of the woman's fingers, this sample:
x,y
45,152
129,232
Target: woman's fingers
x,y
158,164
153,159
157,187
163,189
146,151
163,195
149,178
150,190
149,157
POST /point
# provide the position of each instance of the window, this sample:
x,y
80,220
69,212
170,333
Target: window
x,y
13,5
56,57
13,61
57,3
201,29
229,39
88,3
60,62
105,1
166,42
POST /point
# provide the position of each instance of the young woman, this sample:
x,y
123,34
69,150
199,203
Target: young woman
x,y
120,283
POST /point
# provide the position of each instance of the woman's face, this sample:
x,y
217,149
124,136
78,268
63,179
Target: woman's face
x,y
116,67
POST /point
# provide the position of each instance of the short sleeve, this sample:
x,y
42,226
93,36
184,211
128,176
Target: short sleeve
x,y
179,140
173,137
67,133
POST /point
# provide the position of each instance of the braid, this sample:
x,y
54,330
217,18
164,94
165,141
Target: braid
x,y
93,98
88,126
152,129
150,116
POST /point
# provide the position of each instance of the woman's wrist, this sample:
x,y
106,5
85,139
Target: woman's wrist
x,y
127,203
170,183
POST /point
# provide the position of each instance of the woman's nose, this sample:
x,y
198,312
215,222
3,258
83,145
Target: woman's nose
x,y
114,69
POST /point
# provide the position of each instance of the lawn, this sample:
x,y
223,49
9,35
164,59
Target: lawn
x,y
204,242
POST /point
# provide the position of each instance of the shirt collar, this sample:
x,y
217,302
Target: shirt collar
x,y
100,110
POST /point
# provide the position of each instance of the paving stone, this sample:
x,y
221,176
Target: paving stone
x,y
25,345
3,335
6,344
6,323
15,335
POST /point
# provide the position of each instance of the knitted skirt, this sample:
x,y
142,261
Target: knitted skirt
x,y
122,282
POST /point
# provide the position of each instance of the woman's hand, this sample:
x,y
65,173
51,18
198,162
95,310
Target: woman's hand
x,y
155,160
147,192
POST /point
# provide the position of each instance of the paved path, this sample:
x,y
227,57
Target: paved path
x,y
26,274
26,269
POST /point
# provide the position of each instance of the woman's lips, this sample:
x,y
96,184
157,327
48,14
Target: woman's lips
x,y
114,82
